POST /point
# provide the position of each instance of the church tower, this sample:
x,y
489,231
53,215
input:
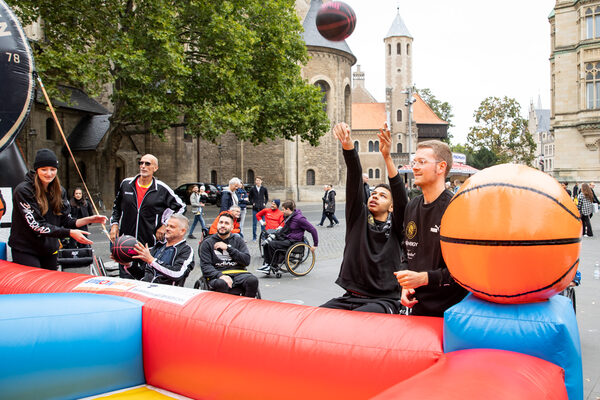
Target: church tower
x,y
398,78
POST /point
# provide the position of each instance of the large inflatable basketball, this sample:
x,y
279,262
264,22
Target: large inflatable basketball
x,y
511,234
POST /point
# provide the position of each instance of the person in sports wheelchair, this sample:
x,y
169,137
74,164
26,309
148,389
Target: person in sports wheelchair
x,y
289,244
223,260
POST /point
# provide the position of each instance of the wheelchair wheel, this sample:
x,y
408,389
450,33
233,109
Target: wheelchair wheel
x,y
570,294
261,238
299,259
201,284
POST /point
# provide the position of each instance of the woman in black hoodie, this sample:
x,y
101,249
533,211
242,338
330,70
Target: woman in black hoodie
x,y
41,216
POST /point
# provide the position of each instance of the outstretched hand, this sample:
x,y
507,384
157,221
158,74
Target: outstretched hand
x,y
342,133
385,140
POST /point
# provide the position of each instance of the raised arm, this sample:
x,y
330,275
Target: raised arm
x,y
355,196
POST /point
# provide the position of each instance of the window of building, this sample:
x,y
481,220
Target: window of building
x,y
399,48
399,148
50,129
370,146
213,176
250,176
370,173
357,146
408,49
376,146
377,173
592,85
399,115
592,23
310,177
325,89
389,49
347,103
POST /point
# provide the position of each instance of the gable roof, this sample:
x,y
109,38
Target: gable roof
x,y
89,132
398,28
78,100
423,114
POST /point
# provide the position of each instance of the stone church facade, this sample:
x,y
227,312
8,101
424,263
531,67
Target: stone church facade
x,y
575,89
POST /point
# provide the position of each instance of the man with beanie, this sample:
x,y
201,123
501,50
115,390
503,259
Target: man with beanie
x,y
273,216
142,207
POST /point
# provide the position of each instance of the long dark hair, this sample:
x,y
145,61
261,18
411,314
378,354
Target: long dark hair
x,y
587,192
50,198
78,203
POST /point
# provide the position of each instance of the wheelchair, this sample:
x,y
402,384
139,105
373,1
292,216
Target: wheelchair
x,y
202,284
298,259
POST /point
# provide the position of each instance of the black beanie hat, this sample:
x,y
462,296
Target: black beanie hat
x,y
45,158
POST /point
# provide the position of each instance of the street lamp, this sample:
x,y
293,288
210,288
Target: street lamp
x,y
409,102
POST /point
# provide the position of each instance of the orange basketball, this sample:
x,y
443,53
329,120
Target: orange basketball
x,y
511,234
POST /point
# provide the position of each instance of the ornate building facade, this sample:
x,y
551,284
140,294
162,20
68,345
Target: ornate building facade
x,y
575,89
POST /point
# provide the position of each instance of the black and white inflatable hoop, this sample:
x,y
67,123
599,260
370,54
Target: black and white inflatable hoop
x,y
16,76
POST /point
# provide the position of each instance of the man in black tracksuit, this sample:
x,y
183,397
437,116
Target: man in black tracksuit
x,y
142,207
168,262
224,258
373,234
427,286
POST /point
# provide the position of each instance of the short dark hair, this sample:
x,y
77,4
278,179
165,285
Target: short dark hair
x,y
228,215
289,204
385,186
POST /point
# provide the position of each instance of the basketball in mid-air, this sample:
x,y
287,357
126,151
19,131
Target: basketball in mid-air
x,y
123,249
336,21
511,234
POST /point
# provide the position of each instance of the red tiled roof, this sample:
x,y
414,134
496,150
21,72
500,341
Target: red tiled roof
x,y
423,114
369,116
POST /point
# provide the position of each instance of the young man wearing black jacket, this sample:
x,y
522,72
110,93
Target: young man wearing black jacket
x,y
373,234
427,286
142,207
167,262
258,196
224,258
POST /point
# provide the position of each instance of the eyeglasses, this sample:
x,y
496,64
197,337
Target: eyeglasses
x,y
421,162
146,163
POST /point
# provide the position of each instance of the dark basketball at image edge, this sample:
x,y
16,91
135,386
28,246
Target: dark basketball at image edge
x,y
123,249
336,21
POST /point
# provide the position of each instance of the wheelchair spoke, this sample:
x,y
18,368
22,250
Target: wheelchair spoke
x,y
299,259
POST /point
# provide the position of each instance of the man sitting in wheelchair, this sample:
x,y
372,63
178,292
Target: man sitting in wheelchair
x,y
224,258
295,224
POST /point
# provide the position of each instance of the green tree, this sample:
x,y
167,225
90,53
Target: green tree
x,y
502,131
231,65
441,108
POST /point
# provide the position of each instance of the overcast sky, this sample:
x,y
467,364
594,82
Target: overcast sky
x,y
463,50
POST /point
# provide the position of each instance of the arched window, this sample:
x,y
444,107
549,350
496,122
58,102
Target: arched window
x,y
325,89
347,103
50,129
213,176
376,146
357,146
398,48
370,146
389,49
377,173
250,176
592,85
408,49
592,23
399,115
399,148
370,173
310,177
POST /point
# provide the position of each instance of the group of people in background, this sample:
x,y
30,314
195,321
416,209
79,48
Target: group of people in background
x,y
392,259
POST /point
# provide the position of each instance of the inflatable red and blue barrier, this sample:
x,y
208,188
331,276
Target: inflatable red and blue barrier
x,y
210,345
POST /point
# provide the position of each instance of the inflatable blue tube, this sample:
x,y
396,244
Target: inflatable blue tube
x,y
68,345
547,330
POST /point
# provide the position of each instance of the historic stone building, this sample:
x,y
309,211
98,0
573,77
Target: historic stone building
x,y
539,127
575,89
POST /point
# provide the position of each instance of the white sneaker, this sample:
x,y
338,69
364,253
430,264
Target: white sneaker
x,y
265,269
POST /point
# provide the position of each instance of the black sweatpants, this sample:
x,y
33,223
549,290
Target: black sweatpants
x,y
245,284
274,245
33,260
353,303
